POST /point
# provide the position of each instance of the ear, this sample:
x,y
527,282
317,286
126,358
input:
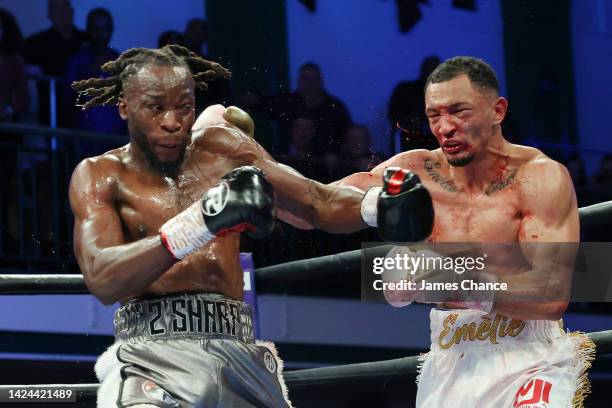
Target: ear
x,y
122,107
501,108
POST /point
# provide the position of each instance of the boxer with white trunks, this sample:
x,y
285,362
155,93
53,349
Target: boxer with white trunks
x,y
487,190
157,228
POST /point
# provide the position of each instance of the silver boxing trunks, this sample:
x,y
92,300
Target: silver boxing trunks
x,y
194,350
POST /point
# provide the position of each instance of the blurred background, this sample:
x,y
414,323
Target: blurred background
x,y
335,87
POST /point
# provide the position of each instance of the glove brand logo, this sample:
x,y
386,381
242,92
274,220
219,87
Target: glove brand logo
x,y
534,394
216,199
157,393
270,361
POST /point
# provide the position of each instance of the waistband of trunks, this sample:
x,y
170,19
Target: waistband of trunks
x,y
202,315
466,329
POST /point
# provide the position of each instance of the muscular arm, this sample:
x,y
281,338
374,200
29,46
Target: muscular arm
x,y
301,201
549,236
365,180
112,268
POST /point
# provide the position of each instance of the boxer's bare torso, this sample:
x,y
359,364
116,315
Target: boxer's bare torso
x,y
144,201
501,193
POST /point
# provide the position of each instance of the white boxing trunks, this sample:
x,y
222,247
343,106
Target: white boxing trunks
x,y
480,360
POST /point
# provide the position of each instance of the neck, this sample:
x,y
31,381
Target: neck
x,y
140,160
487,168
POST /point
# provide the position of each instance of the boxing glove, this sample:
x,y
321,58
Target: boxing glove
x,y
404,211
242,200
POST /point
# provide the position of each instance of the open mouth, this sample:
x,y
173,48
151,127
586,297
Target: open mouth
x,y
453,147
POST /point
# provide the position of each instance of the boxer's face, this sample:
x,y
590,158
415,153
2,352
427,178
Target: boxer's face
x,y
159,105
462,117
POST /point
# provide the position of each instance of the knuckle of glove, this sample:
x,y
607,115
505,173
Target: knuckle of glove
x,y
260,201
407,217
243,172
398,180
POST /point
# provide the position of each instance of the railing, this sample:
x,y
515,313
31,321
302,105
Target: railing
x,y
36,222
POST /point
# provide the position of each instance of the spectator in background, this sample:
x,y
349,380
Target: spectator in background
x,y
14,100
548,123
86,64
603,179
50,50
356,151
196,39
170,37
14,97
196,36
330,116
407,111
575,167
357,154
301,150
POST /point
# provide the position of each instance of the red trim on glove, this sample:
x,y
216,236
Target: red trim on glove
x,y
245,226
164,242
394,186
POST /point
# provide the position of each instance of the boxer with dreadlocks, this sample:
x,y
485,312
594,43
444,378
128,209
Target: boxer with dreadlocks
x,y
157,228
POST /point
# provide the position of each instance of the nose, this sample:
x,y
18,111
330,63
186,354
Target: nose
x,y
170,122
447,127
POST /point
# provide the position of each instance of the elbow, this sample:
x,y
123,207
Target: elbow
x,y
106,299
104,288
102,293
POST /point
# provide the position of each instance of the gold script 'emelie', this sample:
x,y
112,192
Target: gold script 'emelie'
x,y
487,329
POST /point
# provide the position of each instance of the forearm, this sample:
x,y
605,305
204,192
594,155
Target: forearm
x,y
116,272
338,209
331,209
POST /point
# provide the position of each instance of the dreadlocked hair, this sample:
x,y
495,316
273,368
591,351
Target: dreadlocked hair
x,y
107,90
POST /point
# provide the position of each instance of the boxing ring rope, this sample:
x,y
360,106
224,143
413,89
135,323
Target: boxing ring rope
x,y
372,371
594,219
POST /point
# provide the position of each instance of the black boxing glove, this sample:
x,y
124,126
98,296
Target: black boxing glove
x,y
402,208
243,200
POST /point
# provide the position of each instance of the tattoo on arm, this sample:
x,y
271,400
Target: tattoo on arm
x,y
431,169
500,184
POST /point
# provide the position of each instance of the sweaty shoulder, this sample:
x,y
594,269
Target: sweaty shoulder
x,y
414,160
533,162
540,176
98,176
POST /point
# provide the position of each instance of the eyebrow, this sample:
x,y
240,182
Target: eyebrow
x,y
451,107
154,95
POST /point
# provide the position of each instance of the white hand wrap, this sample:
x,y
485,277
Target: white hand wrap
x,y
186,232
369,206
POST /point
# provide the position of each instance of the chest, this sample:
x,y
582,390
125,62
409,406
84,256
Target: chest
x,y
146,202
464,217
